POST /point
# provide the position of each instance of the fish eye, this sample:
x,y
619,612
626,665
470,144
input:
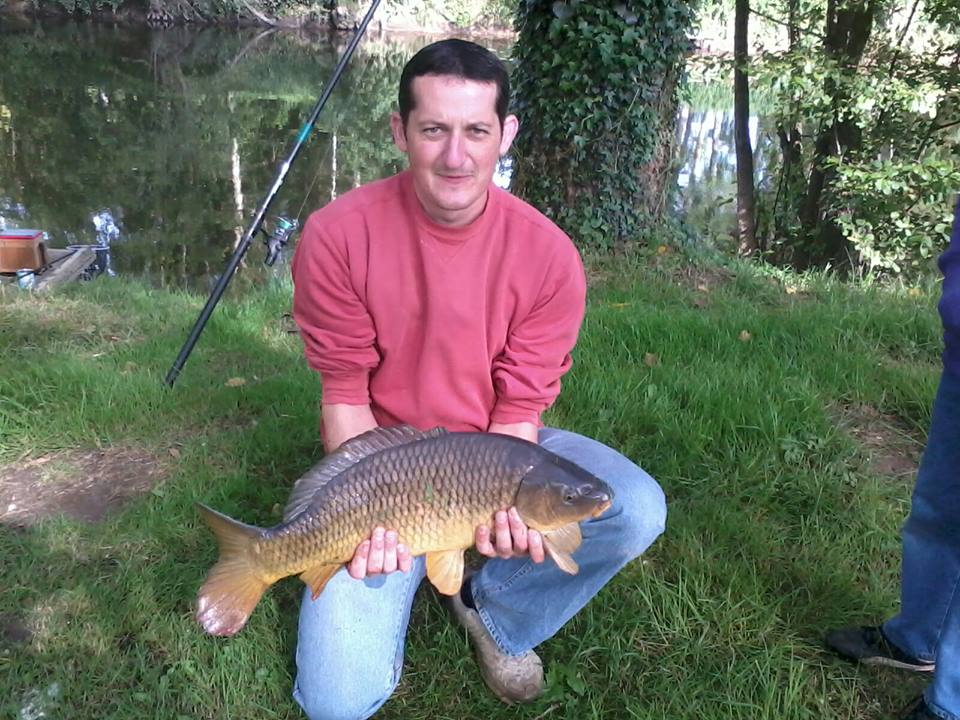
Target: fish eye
x,y
569,496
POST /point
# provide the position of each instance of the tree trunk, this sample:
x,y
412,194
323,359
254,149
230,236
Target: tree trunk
x,y
791,174
746,204
848,30
598,114
793,30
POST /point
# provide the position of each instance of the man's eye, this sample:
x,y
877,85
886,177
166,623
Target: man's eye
x,y
480,132
431,131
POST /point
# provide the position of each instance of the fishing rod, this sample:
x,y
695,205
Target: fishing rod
x,y
284,227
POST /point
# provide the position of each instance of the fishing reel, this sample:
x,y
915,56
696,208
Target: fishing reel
x,y
283,228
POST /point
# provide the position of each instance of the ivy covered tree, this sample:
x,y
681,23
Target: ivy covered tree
x,y
596,92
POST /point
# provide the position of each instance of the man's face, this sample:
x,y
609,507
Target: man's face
x,y
453,141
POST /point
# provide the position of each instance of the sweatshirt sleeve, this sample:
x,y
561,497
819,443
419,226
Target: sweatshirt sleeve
x,y
526,375
337,330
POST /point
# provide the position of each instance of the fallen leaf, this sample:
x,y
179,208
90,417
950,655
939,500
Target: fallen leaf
x,y
701,302
649,359
662,250
914,292
176,453
619,306
791,290
235,382
129,367
745,336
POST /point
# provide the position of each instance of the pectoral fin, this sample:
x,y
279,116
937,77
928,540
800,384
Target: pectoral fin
x,y
317,577
445,570
560,545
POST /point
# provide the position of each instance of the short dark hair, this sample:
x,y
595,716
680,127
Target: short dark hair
x,y
458,58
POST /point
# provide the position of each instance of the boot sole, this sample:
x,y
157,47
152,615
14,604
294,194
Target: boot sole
x,y
891,663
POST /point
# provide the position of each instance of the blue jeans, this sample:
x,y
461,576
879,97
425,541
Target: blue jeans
x,y
928,626
351,638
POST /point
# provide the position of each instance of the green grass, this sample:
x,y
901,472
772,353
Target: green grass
x,y
777,527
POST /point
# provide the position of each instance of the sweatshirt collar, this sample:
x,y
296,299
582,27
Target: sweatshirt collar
x,y
445,233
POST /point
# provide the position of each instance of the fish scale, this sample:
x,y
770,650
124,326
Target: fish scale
x,y
403,489
433,488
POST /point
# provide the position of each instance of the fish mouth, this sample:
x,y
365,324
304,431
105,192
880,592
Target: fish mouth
x,y
601,508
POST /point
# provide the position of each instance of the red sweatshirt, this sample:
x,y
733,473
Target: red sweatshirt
x,y
432,325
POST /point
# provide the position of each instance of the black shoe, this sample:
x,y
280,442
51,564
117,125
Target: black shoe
x,y
918,710
868,645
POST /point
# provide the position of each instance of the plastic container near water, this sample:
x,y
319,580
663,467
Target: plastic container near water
x,y
100,263
26,279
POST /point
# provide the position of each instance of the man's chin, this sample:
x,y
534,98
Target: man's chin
x,y
455,202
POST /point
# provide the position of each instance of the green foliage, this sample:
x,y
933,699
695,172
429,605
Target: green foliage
x,y
595,92
944,12
434,14
897,214
89,7
462,14
898,112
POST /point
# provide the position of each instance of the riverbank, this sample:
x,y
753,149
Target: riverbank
x,y
466,17
783,415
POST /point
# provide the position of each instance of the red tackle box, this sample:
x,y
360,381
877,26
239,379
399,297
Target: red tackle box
x,y
21,249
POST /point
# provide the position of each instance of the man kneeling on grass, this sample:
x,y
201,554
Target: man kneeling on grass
x,y
436,299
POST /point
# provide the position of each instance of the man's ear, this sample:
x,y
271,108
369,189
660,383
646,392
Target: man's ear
x,y
510,127
398,131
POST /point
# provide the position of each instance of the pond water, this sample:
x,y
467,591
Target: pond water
x,y
163,143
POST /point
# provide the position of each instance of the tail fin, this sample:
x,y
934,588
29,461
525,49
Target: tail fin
x,y
234,585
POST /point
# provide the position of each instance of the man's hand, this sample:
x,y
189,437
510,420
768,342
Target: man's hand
x,y
510,537
382,553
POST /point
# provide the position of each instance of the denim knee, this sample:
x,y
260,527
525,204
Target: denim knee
x,y
638,515
323,700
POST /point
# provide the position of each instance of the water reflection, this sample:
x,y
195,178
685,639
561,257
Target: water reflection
x,y
706,175
179,134
12,214
156,146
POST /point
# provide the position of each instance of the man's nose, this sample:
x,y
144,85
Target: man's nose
x,y
454,153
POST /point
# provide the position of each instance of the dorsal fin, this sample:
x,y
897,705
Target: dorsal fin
x,y
347,455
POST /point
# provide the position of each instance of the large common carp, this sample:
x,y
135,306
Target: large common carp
x,y
434,488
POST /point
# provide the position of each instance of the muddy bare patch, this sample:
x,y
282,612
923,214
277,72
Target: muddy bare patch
x,y
892,447
81,484
13,631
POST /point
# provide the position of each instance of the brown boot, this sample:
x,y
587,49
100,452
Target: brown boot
x,y
512,678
